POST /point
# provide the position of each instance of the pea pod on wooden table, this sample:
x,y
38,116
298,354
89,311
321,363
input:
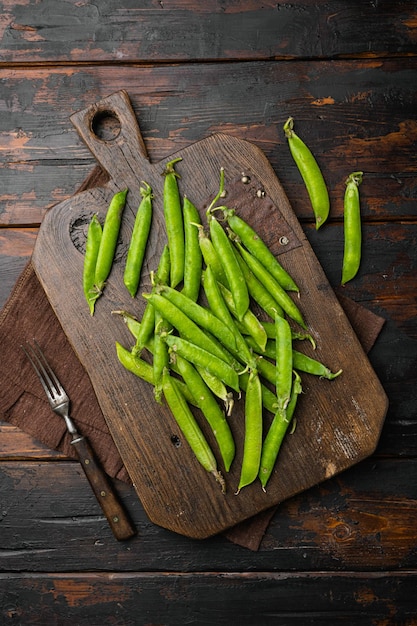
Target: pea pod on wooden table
x,y
147,325
282,298
193,258
108,243
138,241
276,433
203,358
190,428
252,447
352,228
283,362
235,278
310,172
210,409
254,243
92,247
174,223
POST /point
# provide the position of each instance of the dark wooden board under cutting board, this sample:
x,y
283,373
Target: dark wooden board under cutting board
x,y
338,422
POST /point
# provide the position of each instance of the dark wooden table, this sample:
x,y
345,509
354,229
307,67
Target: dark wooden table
x,y
346,550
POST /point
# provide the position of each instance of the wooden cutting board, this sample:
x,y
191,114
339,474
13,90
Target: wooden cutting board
x,y
338,422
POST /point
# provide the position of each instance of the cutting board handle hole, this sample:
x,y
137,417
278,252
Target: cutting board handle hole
x,y
106,125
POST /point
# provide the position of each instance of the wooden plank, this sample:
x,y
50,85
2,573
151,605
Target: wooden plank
x,y
51,522
317,599
347,124
213,29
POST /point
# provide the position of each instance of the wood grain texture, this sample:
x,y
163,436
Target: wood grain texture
x,y
345,112
171,491
212,597
184,30
362,520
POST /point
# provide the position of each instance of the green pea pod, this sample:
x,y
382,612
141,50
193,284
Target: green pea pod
x,y
269,399
235,278
283,362
210,409
249,321
202,358
257,291
310,172
253,242
276,433
304,363
140,368
252,446
210,255
190,428
174,223
92,247
201,316
111,229
187,328
193,263
270,331
277,292
147,326
218,306
218,388
139,239
352,228
160,354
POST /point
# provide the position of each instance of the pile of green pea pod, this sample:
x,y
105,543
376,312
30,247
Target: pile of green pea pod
x,y
203,356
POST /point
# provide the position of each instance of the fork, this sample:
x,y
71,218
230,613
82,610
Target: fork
x,y
59,401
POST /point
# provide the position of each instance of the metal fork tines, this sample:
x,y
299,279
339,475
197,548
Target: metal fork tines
x,y
55,392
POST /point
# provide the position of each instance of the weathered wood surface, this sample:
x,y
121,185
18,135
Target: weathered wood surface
x,y
363,113
347,72
184,30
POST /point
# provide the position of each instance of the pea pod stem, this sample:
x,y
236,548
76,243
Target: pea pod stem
x,y
352,228
174,223
310,172
138,241
190,428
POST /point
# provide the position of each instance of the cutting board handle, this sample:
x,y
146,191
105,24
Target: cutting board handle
x,y
118,153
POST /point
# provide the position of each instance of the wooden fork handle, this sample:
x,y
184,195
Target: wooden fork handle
x,y
110,503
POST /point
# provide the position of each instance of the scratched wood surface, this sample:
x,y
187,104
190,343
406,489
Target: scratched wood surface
x,y
346,551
